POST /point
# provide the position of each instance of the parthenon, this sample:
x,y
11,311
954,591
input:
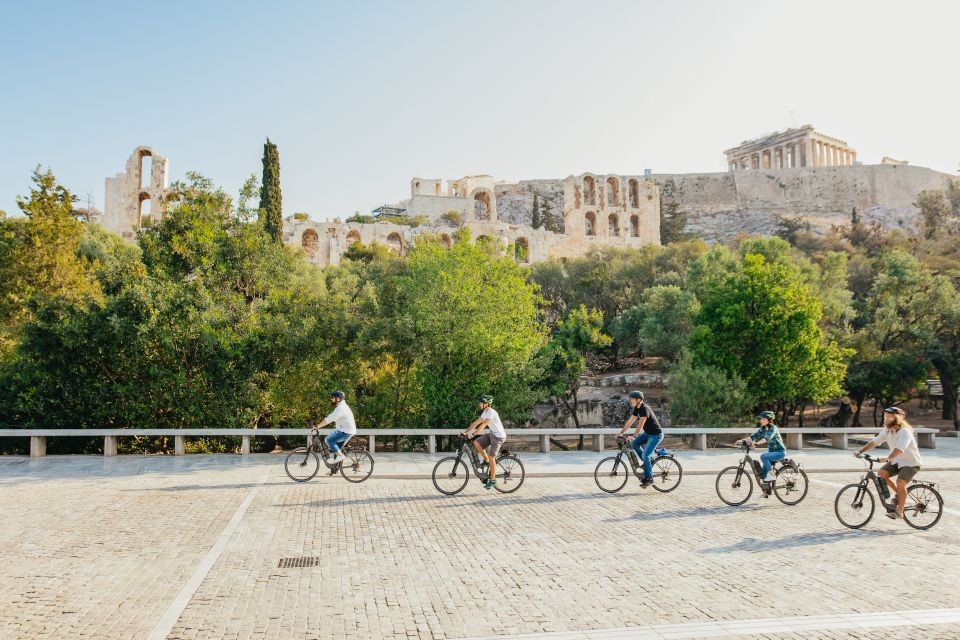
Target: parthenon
x,y
801,147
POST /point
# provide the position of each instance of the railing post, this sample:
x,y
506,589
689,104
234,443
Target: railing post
x,y
179,445
372,446
38,446
109,446
431,444
838,440
700,441
927,440
244,445
794,441
598,442
545,443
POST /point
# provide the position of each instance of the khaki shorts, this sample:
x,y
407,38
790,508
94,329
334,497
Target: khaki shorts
x,y
901,473
491,443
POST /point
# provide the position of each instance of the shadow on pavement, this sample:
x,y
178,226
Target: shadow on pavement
x,y
804,540
695,512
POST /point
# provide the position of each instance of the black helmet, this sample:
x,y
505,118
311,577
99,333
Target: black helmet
x,y
338,394
769,415
636,395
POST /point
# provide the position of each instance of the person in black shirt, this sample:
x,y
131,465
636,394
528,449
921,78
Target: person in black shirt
x,y
644,444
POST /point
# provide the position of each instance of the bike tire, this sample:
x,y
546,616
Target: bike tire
x,y
920,505
857,498
793,489
449,471
358,466
510,474
614,475
303,468
727,478
667,474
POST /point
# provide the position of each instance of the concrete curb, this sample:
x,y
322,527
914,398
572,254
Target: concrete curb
x,y
584,474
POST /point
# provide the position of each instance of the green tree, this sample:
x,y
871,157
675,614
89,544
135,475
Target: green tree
x,y
934,212
662,324
707,395
536,221
549,218
271,199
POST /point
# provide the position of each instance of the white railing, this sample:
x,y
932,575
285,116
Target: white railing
x,y
926,438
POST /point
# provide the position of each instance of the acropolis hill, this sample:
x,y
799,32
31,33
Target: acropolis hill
x,y
797,173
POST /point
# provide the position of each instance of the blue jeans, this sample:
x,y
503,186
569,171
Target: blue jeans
x,y
769,458
644,444
336,440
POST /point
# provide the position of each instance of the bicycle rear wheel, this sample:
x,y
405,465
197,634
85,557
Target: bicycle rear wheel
x,y
450,476
734,486
611,474
510,474
854,506
924,506
791,485
301,464
358,465
667,474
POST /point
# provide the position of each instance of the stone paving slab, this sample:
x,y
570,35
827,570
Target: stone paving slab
x,y
101,549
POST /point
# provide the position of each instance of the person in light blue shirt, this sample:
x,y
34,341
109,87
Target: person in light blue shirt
x,y
770,434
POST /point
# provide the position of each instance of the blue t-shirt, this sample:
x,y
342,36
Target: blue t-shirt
x,y
772,435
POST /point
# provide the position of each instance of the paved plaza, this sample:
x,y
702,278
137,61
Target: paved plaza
x,y
191,547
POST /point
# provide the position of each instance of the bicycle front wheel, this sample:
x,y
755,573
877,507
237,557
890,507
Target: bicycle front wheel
x,y
790,485
358,465
510,474
611,474
924,506
734,486
301,464
667,474
854,506
450,476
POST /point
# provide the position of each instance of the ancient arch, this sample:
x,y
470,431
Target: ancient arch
x,y
634,226
482,239
395,243
613,225
521,250
590,223
353,237
146,169
589,191
144,210
613,191
634,187
481,205
310,241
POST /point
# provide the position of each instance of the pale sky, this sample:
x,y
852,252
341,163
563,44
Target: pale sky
x,y
362,96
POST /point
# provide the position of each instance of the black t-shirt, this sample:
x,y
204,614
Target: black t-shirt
x,y
652,425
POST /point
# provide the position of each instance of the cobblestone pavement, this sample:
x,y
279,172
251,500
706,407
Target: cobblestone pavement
x,y
106,556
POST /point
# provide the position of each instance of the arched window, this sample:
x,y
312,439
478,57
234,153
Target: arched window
x,y
521,250
634,226
146,169
634,193
613,225
481,205
589,191
310,241
590,223
353,238
395,243
613,192
145,207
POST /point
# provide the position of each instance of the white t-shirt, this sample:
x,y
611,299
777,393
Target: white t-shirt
x,y
903,440
496,427
343,417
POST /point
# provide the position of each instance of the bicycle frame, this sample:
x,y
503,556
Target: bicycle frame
x,y
319,445
636,464
466,446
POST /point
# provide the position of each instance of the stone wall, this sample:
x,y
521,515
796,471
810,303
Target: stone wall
x,y
515,201
721,205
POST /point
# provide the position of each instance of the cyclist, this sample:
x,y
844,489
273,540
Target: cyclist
x,y
904,459
346,426
652,436
490,442
769,433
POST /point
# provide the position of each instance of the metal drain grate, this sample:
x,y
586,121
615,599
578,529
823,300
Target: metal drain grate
x,y
295,563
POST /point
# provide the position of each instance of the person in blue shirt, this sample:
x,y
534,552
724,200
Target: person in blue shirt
x,y
768,433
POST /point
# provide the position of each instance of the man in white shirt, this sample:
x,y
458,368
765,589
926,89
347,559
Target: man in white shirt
x,y
903,461
489,443
342,416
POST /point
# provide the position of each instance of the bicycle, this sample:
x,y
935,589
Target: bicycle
x,y
452,473
735,486
856,509
303,463
611,473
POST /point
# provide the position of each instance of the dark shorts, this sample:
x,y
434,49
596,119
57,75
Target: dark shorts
x,y
900,473
491,443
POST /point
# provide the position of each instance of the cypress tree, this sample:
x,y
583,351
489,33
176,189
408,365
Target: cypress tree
x,y
271,200
537,220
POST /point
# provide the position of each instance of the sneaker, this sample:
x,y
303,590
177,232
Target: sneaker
x,y
893,515
646,483
891,505
770,478
333,460
490,484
